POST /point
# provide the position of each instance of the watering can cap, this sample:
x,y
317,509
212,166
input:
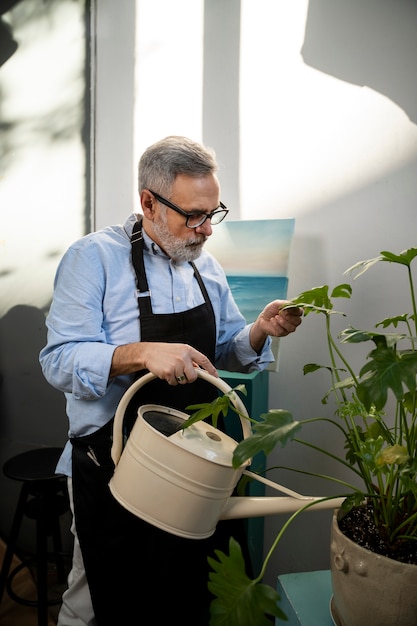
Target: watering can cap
x,y
201,439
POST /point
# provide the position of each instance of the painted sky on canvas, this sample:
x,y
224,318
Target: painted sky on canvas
x,y
252,247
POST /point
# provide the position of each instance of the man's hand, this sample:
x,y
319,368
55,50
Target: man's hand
x,y
274,321
173,362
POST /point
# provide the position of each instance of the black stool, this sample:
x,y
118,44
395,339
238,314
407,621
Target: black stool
x,y
43,498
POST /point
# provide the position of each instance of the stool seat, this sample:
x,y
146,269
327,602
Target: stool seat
x,y
43,498
33,465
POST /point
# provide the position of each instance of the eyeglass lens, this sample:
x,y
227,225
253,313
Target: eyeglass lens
x,y
193,221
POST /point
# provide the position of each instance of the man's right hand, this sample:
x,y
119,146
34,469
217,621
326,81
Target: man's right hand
x,y
173,362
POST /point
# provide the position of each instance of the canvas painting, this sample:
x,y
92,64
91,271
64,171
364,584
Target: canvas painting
x,y
255,256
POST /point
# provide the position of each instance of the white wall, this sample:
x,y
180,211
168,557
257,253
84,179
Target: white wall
x,y
327,134
112,135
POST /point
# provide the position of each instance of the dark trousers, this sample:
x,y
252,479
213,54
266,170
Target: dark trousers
x,y
133,568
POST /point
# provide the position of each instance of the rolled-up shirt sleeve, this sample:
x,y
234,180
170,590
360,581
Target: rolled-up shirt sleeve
x,y
247,356
79,368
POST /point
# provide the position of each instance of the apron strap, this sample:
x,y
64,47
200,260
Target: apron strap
x,y
142,292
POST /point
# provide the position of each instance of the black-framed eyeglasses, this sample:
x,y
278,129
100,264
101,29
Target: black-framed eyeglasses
x,y
195,218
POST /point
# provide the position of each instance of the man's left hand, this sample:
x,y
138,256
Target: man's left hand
x,y
275,321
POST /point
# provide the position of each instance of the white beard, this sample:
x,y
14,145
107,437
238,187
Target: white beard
x,y
176,248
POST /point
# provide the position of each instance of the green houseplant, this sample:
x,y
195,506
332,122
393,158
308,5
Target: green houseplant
x,y
376,410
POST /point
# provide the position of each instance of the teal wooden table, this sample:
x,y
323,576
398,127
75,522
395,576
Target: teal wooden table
x,y
305,598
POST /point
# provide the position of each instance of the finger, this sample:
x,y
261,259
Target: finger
x,y
291,324
293,316
181,379
200,361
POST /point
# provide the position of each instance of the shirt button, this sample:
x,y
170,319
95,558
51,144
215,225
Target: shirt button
x,y
178,299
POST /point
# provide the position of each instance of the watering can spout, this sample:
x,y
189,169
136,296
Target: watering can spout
x,y
254,506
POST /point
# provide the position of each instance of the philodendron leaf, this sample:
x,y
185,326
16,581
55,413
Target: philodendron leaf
x,y
353,335
404,258
407,475
239,601
409,401
276,426
207,409
343,290
370,450
220,405
386,370
317,296
361,266
317,299
313,367
393,321
354,499
393,455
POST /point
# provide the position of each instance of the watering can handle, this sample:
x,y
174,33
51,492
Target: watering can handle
x,y
117,445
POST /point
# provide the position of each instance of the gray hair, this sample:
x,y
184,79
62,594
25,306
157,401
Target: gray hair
x,y
162,162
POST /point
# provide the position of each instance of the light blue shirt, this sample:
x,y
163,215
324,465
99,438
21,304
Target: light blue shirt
x,y
95,309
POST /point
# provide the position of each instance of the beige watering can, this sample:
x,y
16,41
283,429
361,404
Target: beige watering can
x,y
181,480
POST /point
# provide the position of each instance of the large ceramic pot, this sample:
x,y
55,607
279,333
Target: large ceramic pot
x,y
369,589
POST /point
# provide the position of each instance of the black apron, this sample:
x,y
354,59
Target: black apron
x,y
133,569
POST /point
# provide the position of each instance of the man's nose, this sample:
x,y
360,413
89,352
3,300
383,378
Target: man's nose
x,y
205,228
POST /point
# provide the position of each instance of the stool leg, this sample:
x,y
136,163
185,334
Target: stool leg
x,y
11,544
57,547
42,558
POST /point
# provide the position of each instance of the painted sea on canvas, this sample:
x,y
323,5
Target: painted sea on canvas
x,y
252,293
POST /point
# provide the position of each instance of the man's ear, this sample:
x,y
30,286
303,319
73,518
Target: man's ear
x,y
147,202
